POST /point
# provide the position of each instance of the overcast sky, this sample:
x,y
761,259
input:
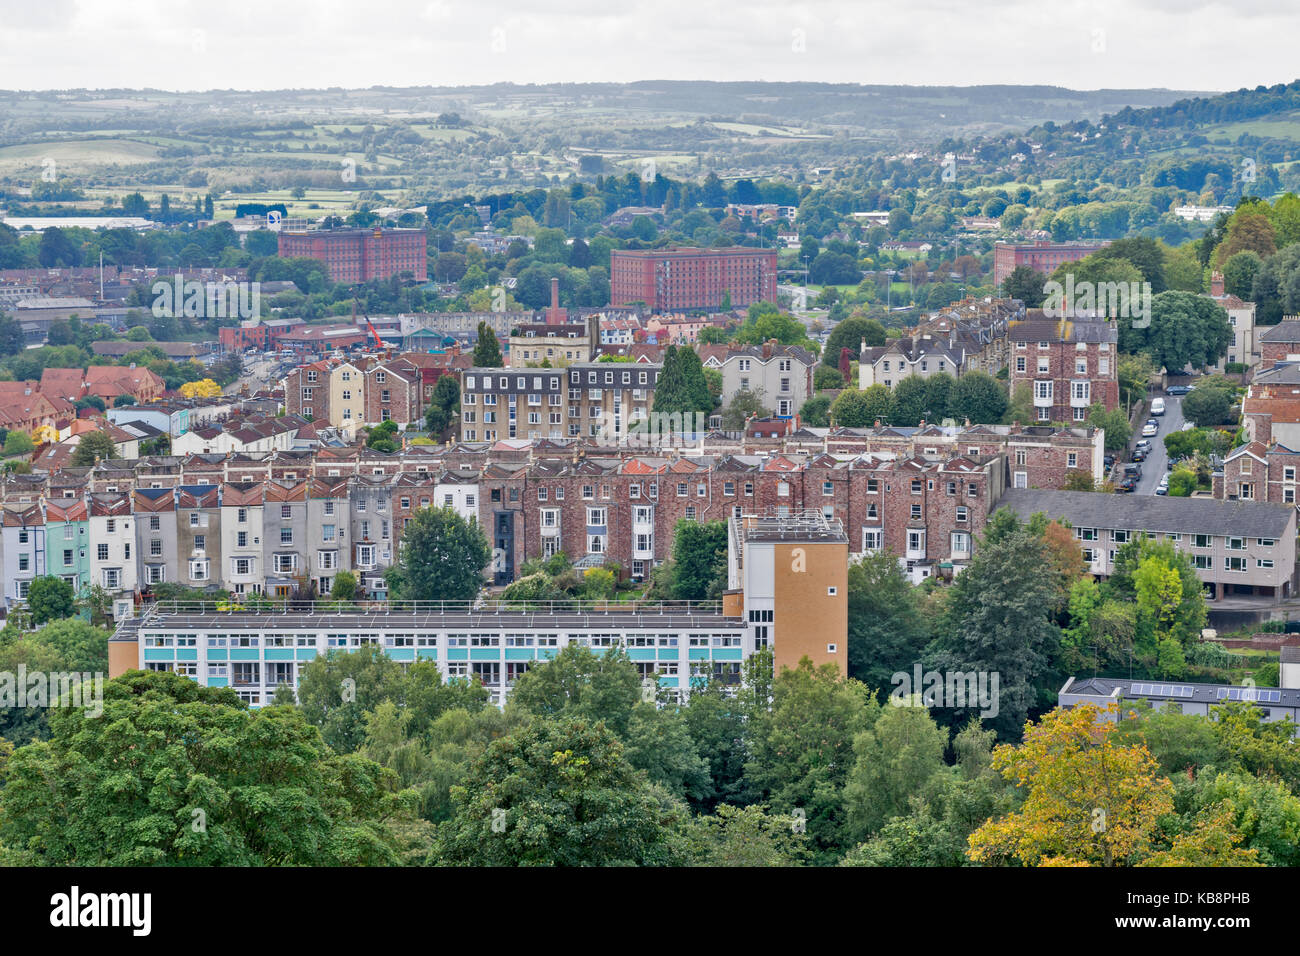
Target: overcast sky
x,y
264,44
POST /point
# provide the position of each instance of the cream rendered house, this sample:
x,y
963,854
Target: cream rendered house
x,y
347,398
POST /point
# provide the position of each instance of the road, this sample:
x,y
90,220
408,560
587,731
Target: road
x,y
258,373
1153,469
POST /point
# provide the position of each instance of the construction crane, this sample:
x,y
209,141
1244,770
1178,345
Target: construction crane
x,y
379,343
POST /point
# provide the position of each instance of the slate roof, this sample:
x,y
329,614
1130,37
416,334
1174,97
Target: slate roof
x,y
1149,689
1286,332
1086,509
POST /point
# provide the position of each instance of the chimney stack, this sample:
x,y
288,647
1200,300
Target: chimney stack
x,y
553,317
1216,284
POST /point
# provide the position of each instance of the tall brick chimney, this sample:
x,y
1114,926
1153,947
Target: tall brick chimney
x,y
553,316
1216,284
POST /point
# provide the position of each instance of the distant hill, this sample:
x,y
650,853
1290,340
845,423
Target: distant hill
x,y
402,144
941,110
1243,104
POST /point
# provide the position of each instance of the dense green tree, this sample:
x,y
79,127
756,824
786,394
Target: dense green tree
x,y
443,406
767,326
745,837
658,741
681,388
1114,423
849,334
1143,253
697,567
1248,742
1185,330
487,350
816,411
717,723
93,447
560,793
12,340
801,750
827,377
1264,811
344,586
910,402
1168,599
1247,229
998,621
1180,743
744,405
61,646
1025,284
1209,405
337,689
579,683
19,443
173,773
895,758
855,409
454,740
979,398
50,598
442,558
1276,290
1239,273
887,632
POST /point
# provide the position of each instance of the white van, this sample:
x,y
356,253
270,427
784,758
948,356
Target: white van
x,y
1157,406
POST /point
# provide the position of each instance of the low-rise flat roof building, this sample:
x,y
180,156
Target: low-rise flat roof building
x,y
1238,548
1183,697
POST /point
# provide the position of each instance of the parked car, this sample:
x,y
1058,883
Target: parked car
x,y
1144,444
1108,462
1139,454
1163,487
1149,429
1178,390
1126,486
1157,406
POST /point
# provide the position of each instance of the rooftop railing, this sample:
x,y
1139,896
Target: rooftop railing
x,y
522,612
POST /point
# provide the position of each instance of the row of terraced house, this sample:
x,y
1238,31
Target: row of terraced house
x,y
278,522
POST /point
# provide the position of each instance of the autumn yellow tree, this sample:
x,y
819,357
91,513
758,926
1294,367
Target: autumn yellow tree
x,y
1091,799
203,388
1065,559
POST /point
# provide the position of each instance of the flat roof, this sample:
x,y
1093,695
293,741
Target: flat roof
x,y
702,616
